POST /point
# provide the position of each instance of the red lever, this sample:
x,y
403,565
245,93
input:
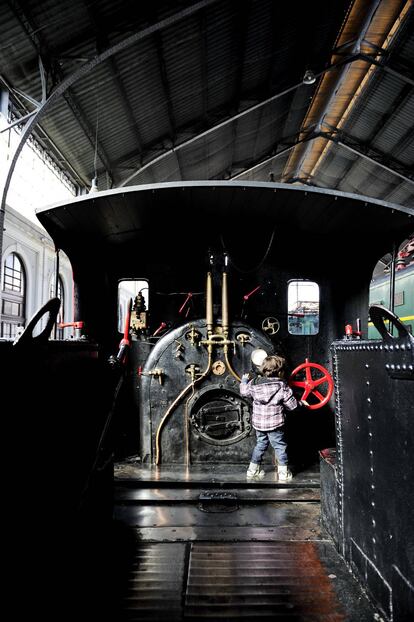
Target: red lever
x,y
73,324
247,296
181,309
160,327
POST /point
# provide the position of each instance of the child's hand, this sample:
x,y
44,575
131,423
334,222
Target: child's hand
x,y
245,378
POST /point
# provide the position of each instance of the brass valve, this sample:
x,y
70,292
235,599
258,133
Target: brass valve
x,y
157,372
243,338
179,349
193,336
193,370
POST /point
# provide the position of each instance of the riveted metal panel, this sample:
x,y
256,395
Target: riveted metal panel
x,y
375,439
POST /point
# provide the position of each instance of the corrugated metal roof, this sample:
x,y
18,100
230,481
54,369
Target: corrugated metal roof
x,y
190,78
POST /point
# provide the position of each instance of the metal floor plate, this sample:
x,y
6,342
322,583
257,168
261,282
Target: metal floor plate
x,y
208,545
294,581
267,521
226,475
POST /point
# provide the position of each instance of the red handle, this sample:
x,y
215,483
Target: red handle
x,y
310,385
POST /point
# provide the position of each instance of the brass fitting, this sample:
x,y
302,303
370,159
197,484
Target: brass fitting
x,y
157,372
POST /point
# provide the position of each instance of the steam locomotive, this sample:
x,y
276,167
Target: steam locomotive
x,y
176,286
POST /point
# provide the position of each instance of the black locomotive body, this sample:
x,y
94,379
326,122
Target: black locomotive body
x,y
171,399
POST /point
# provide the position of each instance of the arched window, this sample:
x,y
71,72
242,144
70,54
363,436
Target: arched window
x,y
61,295
13,296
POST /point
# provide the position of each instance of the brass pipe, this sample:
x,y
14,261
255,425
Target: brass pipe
x,y
209,304
229,367
175,402
186,430
224,305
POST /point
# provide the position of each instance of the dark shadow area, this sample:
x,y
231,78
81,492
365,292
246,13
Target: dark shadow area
x,y
307,433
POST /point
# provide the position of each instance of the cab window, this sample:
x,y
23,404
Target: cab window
x,y
127,289
303,307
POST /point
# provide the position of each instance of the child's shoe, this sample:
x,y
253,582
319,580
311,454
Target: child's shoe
x,y
254,471
283,472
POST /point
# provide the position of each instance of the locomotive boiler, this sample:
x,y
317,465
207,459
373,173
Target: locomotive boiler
x,y
192,411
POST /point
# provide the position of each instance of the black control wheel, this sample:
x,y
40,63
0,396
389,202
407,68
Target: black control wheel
x,y
271,325
379,314
52,308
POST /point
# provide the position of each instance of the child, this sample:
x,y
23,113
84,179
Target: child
x,y
271,397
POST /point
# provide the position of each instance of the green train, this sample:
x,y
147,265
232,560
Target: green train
x,y
379,293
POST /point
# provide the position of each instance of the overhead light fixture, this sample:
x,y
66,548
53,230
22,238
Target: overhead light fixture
x,y
94,187
309,77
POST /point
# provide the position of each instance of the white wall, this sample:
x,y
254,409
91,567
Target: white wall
x,y
36,251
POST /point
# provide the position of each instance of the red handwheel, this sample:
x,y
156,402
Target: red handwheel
x,y
310,385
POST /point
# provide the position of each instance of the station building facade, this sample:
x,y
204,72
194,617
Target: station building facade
x,y
28,276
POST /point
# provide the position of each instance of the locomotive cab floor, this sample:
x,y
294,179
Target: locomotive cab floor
x,y
221,475
204,543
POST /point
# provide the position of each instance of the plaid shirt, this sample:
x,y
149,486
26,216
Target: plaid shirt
x,y
271,397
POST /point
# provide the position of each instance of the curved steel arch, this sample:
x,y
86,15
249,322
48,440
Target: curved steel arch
x,y
74,77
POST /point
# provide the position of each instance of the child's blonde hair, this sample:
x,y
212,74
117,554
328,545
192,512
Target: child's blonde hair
x,y
273,366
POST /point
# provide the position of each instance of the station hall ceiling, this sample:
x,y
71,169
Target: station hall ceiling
x,y
318,93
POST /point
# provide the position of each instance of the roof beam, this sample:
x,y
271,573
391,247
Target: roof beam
x,y
203,65
335,98
344,140
380,126
165,86
62,87
89,132
398,74
41,134
242,27
22,13
239,115
367,152
276,154
104,43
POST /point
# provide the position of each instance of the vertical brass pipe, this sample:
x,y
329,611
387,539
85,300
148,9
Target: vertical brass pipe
x,y
224,306
209,304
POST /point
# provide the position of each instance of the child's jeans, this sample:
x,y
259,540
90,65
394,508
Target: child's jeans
x,y
276,438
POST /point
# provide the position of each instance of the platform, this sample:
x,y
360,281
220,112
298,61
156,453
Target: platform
x,y
204,543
